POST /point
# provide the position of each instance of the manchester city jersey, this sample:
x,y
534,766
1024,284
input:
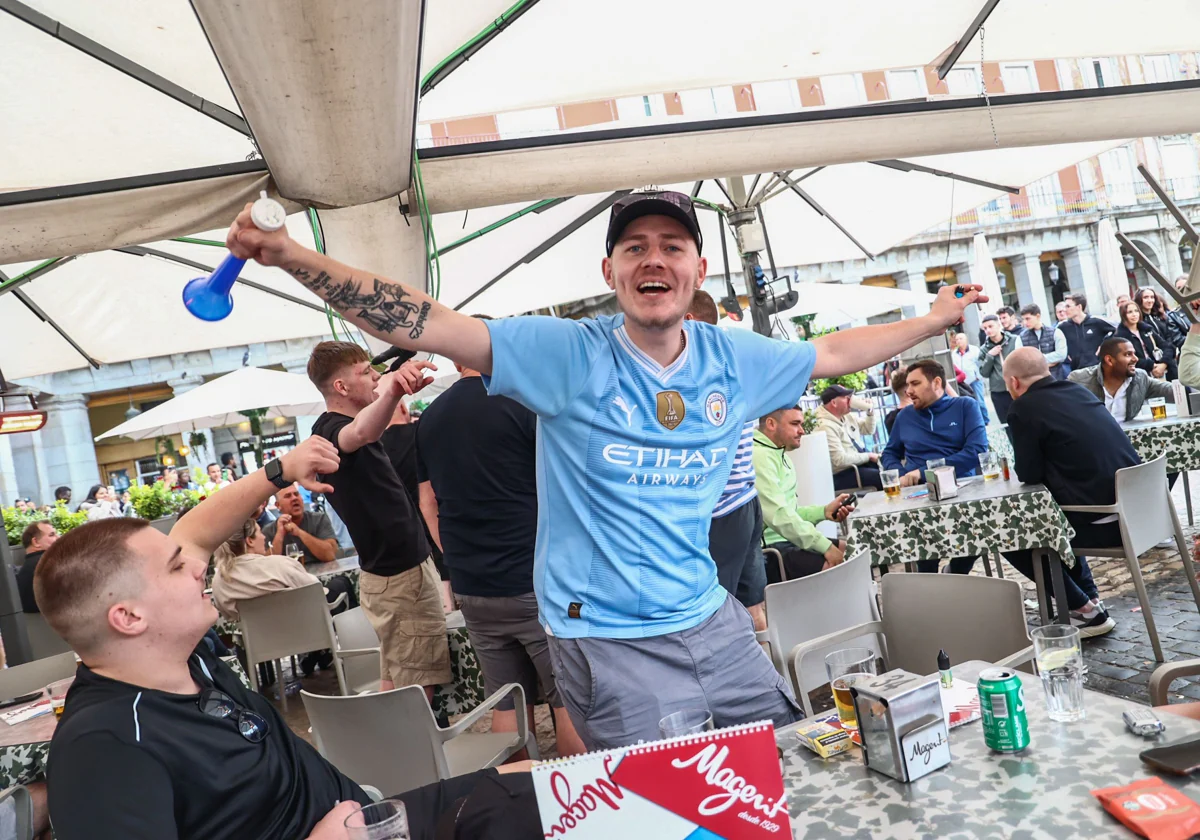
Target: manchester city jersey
x,y
631,458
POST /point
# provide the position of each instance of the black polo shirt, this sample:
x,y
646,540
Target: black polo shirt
x,y
372,502
129,762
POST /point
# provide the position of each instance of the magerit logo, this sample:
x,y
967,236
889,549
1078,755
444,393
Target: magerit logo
x,y
715,408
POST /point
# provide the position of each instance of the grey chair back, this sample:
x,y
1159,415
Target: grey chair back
x,y
388,739
968,616
285,623
43,641
23,679
810,607
354,632
1145,506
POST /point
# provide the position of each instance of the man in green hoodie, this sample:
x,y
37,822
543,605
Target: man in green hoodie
x,y
788,527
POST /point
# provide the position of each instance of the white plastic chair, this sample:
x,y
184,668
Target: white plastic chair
x,y
358,650
390,740
814,606
1146,515
968,616
18,680
23,809
284,623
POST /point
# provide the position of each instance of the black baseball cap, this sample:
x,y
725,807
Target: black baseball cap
x,y
652,203
833,392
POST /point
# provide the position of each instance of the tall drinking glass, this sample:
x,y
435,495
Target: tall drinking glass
x,y
1059,660
891,483
989,466
1158,408
686,722
845,668
934,463
386,820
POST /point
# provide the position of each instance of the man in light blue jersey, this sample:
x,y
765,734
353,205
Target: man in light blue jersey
x,y
639,418
735,535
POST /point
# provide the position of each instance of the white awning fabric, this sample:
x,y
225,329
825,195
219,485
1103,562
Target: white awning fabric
x,y
219,402
120,306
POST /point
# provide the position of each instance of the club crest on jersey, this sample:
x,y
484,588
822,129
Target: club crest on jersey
x,y
715,408
670,408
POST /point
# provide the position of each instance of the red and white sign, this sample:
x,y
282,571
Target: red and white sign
x,y
728,782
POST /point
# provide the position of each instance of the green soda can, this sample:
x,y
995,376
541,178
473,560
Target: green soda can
x,y
1002,702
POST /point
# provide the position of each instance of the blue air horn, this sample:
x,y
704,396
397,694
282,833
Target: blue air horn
x,y
210,298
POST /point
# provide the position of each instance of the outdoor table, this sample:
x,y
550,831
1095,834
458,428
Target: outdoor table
x,y
1042,792
1176,437
985,517
25,747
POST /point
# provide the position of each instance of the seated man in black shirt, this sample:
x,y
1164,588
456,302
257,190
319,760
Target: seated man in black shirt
x,y
36,538
160,740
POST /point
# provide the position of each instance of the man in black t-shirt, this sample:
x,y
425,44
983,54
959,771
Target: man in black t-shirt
x,y
398,586
478,492
159,739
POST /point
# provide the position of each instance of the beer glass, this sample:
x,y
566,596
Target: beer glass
x,y
686,722
989,466
385,820
1158,408
891,483
845,668
58,695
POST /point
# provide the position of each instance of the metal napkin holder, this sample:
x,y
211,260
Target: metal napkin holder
x,y
942,482
902,725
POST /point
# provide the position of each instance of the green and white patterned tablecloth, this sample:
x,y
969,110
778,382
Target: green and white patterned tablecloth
x,y
986,517
1178,437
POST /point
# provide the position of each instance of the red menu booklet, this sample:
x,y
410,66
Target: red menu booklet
x,y
725,784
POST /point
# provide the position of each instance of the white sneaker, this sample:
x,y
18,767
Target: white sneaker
x,y
1096,623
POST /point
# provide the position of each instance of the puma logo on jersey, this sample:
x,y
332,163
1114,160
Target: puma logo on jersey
x,y
620,403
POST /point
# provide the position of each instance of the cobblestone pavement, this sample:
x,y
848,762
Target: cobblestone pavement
x,y
1120,663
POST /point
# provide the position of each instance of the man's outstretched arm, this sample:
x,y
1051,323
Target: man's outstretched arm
x,y
393,312
849,351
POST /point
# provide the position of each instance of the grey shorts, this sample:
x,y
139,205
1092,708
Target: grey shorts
x,y
617,690
511,646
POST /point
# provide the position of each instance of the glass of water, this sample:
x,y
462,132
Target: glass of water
x,y
686,722
385,820
1060,663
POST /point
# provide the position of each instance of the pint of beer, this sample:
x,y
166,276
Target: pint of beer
x,y
891,483
1158,408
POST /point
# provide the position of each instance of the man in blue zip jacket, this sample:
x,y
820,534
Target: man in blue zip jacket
x,y
934,426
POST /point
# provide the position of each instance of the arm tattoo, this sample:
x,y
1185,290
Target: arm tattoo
x,y
385,309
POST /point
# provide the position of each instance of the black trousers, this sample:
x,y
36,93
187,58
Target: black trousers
x,y
797,562
1002,402
868,473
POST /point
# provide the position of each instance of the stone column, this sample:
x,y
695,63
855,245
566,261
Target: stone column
x,y
1031,288
67,445
201,456
8,474
1170,244
1083,274
914,281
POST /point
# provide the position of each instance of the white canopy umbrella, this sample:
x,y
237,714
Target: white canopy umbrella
x,y
838,304
220,402
983,270
1113,277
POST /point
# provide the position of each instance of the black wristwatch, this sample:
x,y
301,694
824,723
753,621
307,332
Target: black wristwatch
x,y
274,471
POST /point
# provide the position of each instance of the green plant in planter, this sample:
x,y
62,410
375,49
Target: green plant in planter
x,y
810,421
153,501
197,440
15,522
59,516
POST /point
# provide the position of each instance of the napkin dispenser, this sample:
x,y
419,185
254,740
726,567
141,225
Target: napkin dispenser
x,y
942,482
901,723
